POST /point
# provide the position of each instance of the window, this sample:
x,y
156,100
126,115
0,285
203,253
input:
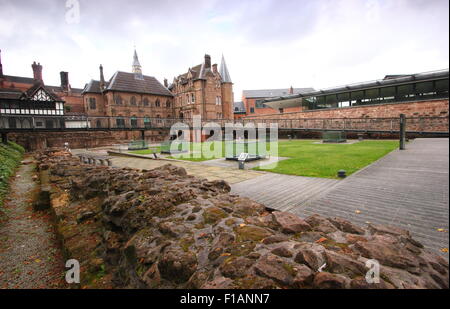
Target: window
x,y
425,88
405,91
252,110
387,93
192,98
218,100
117,99
134,122
167,103
442,86
145,102
120,122
147,122
157,103
133,101
92,103
187,99
281,110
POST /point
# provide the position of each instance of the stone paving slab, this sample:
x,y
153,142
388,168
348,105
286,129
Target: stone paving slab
x,y
192,168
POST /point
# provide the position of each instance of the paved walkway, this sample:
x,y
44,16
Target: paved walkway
x,y
407,188
193,168
30,254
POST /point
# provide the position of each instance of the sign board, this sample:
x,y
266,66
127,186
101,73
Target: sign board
x,y
243,156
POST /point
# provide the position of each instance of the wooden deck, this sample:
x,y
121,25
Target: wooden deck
x,y
408,189
283,192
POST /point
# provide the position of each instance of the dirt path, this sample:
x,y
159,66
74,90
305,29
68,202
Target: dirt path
x,y
30,256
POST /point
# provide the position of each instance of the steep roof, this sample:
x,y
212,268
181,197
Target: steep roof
x,y
59,89
223,71
267,93
93,87
195,70
127,82
13,93
30,92
19,79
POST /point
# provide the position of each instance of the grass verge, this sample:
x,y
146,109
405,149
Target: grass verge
x,y
10,157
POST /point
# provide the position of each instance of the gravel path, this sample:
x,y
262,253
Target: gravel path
x,y
30,256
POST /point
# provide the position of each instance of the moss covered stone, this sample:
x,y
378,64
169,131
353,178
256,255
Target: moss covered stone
x,y
212,215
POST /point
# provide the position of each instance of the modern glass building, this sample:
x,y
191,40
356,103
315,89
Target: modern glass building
x,y
392,89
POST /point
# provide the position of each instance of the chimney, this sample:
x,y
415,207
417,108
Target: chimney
x,y
291,90
37,71
207,62
102,78
64,80
1,66
214,68
166,84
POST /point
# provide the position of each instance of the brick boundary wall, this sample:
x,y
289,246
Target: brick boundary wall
x,y
81,139
431,108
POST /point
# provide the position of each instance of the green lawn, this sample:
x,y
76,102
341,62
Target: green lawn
x,y
306,157
145,151
324,160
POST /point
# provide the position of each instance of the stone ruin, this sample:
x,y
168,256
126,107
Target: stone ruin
x,y
162,228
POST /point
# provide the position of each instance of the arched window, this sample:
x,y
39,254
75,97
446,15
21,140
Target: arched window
x,y
157,103
133,101
117,99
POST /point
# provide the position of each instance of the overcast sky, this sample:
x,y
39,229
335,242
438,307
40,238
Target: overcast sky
x,y
266,43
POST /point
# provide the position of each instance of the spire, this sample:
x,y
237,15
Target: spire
x,y
136,67
223,71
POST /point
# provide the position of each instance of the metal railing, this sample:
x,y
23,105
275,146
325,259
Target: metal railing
x,y
20,123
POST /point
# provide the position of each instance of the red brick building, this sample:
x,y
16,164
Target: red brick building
x,y
204,90
128,97
15,85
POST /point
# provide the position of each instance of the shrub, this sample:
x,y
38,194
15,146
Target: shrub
x,y
10,157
